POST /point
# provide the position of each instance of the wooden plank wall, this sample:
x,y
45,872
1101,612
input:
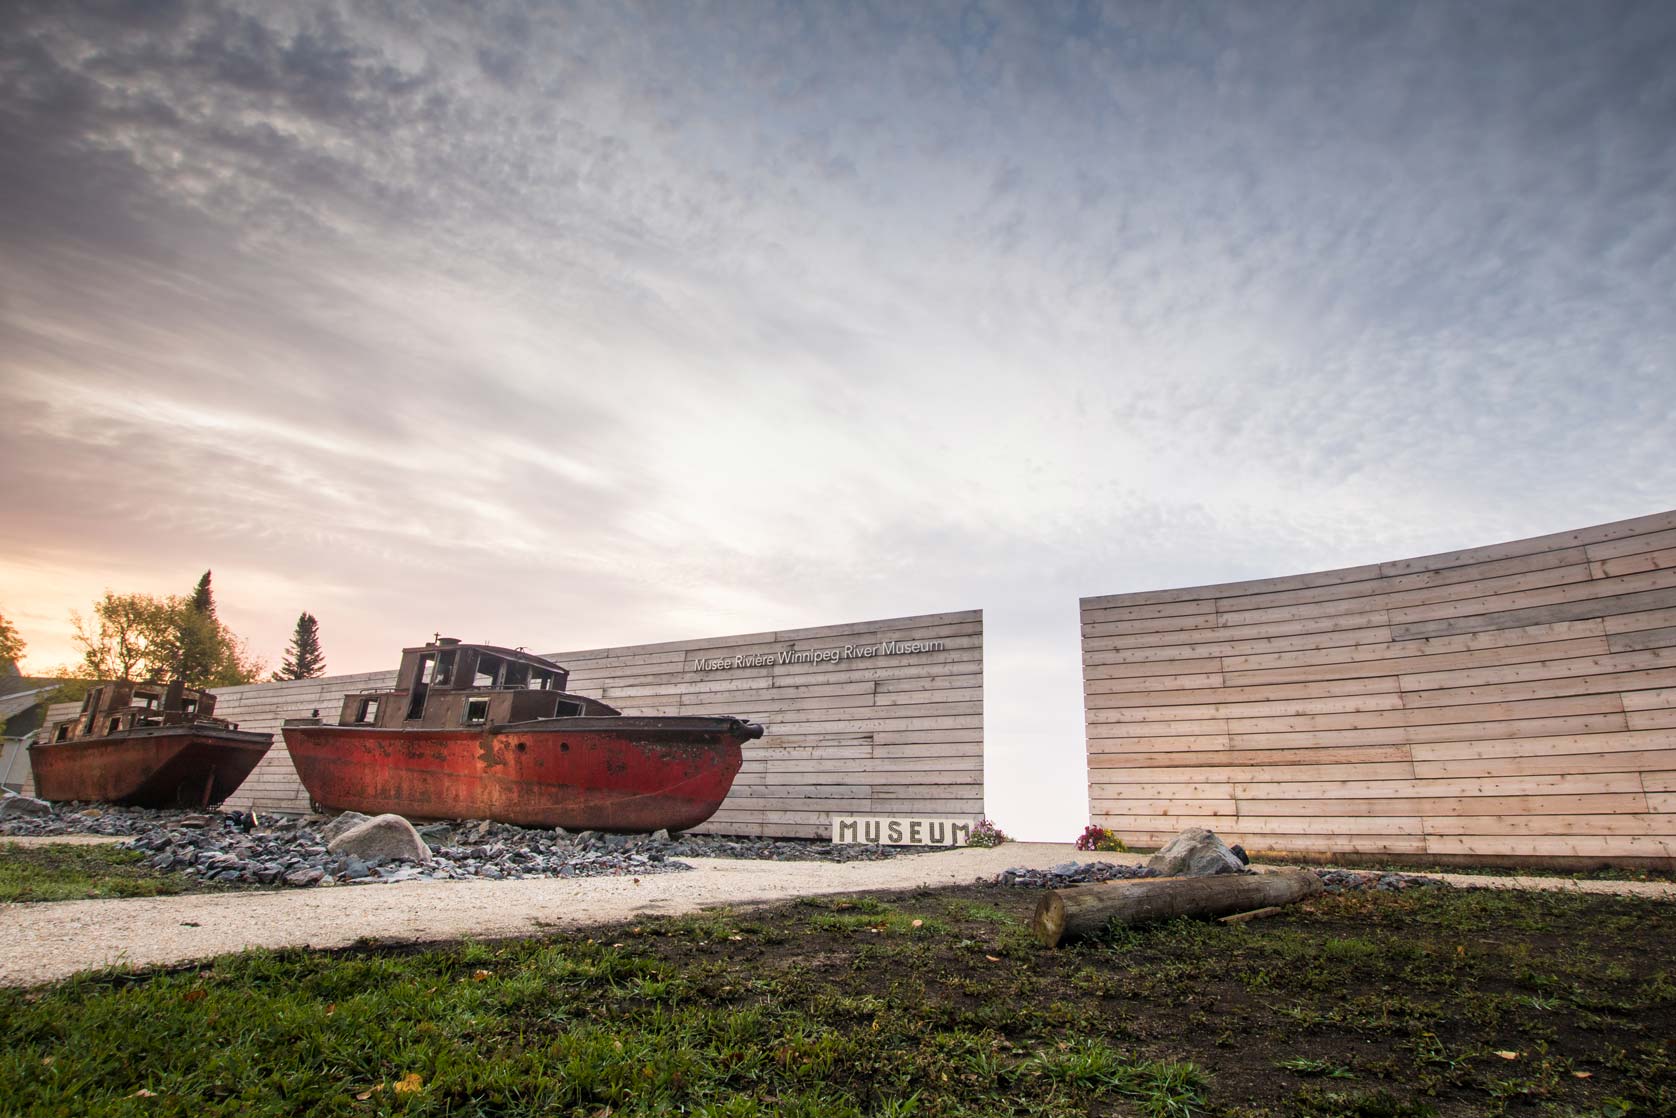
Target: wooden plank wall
x,y
899,735
893,735
1508,704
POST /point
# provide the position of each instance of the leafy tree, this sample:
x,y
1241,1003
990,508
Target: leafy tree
x,y
11,645
129,636
139,636
303,659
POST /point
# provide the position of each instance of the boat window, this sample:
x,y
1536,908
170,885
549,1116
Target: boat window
x,y
541,681
445,668
567,710
488,672
189,706
63,733
477,711
421,686
114,726
148,720
145,701
517,675
368,711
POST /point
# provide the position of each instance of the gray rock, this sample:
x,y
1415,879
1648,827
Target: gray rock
x,y
385,836
1065,869
16,807
1195,852
661,835
308,875
342,823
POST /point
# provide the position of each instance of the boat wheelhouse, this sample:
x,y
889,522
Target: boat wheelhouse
x,y
447,684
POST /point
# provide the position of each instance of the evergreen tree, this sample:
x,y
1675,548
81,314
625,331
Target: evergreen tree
x,y
11,645
202,599
303,659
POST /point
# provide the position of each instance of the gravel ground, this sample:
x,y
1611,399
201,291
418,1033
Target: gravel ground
x,y
241,848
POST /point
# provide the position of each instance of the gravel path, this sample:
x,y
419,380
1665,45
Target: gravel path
x,y
46,942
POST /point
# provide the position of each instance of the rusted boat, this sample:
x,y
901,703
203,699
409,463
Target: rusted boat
x,y
475,731
145,745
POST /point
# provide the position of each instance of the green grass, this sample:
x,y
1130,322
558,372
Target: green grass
x,y
1355,1005
67,872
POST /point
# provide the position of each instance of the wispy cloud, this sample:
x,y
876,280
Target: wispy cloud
x,y
567,324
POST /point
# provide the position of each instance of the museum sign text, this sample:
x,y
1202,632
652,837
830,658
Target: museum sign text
x,y
889,830
816,655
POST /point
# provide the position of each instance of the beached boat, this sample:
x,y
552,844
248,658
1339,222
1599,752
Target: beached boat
x,y
474,731
145,745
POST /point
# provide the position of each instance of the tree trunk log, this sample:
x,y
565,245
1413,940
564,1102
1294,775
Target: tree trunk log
x,y
1084,910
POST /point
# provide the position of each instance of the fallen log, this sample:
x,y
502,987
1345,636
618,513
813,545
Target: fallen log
x,y
1084,910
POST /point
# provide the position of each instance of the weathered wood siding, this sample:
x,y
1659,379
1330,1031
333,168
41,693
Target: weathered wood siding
x,y
882,734
1508,703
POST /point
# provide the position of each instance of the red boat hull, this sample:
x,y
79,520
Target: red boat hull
x,y
165,766
628,775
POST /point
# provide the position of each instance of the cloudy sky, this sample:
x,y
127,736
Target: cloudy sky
x,y
568,326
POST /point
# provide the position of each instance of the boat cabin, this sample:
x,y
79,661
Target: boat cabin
x,y
122,706
448,685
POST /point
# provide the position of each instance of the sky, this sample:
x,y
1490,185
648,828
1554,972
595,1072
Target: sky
x,y
576,325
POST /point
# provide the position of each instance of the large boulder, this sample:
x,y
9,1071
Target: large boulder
x,y
347,821
381,838
16,807
1195,852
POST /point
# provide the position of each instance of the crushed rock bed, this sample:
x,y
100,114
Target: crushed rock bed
x,y
1067,873
1089,873
244,848
1349,881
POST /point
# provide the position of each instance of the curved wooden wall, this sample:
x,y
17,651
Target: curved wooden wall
x,y
1505,704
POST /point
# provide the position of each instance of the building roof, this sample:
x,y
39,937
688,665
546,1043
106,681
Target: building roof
x,y
19,694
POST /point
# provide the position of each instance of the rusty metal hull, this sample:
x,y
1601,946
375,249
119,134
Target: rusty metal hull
x,y
623,774
165,766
